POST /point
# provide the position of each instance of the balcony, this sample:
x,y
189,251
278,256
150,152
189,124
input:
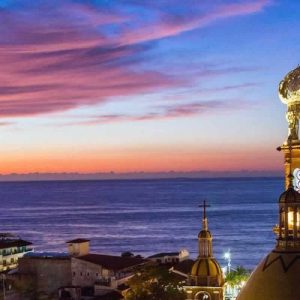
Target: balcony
x,y
8,253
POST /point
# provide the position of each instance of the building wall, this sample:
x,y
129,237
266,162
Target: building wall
x,y
86,274
183,255
79,249
73,292
198,293
49,273
169,259
9,257
166,259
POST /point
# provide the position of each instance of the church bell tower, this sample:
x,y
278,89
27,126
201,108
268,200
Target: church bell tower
x,y
206,280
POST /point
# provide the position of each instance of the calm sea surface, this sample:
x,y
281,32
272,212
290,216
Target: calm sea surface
x,y
145,216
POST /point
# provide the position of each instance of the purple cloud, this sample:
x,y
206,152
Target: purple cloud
x,y
59,57
169,112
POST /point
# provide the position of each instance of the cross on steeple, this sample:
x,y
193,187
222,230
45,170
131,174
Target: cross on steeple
x,y
204,206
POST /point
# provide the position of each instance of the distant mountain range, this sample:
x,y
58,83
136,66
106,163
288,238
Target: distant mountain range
x,y
137,175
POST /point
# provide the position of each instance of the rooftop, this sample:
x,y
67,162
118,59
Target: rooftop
x,y
184,266
77,241
163,254
48,255
9,243
110,262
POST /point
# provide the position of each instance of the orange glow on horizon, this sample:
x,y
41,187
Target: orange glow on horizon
x,y
143,160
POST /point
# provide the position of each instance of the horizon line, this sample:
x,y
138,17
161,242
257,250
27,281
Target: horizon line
x,y
202,174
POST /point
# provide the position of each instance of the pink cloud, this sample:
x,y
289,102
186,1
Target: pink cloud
x,y
169,112
58,58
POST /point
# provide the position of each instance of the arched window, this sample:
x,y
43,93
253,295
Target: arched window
x,y
202,296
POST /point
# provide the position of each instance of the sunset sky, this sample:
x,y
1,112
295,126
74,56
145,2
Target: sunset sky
x,y
137,85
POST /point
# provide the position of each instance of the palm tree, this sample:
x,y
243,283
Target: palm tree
x,y
237,278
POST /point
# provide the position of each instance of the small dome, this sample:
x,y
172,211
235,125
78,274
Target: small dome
x,y
289,196
206,267
204,234
289,87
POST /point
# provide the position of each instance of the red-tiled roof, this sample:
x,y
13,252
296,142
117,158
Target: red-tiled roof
x,y
110,262
7,243
184,266
77,241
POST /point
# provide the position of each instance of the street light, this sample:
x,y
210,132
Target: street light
x,y
227,256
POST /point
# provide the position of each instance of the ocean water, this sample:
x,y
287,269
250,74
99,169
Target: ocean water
x,y
145,216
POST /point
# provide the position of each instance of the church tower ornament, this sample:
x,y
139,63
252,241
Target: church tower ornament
x,y
277,275
289,93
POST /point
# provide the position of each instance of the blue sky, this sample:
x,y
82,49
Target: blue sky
x,y
97,86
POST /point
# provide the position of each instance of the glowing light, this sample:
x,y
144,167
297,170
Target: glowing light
x,y
242,283
291,218
296,180
227,255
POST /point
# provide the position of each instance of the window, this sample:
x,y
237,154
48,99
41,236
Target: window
x,y
202,296
80,273
74,273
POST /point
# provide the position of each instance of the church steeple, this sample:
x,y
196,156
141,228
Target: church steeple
x,y
206,278
204,236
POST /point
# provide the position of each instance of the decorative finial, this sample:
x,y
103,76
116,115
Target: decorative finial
x,y
289,94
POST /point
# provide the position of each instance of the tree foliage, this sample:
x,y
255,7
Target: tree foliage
x,y
153,283
237,277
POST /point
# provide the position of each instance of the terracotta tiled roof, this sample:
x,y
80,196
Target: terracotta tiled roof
x,y
184,266
110,262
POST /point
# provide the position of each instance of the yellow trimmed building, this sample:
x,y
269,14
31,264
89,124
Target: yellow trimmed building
x,y
206,281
